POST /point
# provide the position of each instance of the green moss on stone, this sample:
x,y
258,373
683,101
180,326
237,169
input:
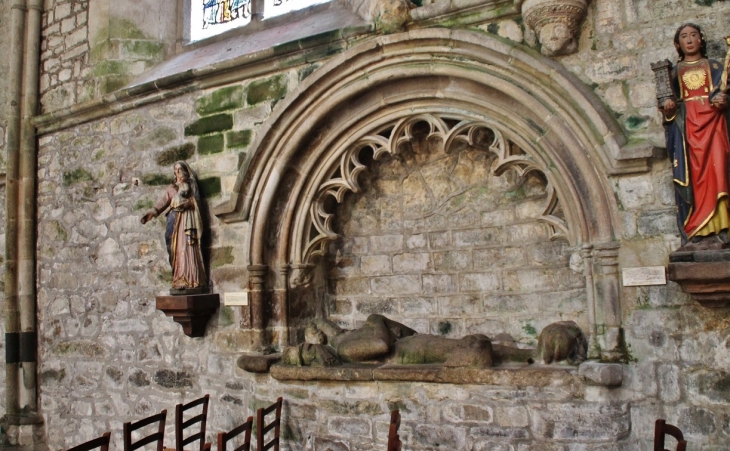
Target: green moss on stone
x,y
225,316
270,89
60,231
210,124
97,156
76,176
165,276
634,122
176,153
238,139
110,67
307,71
220,256
146,50
210,186
224,99
124,29
81,348
210,144
143,204
529,329
156,179
493,28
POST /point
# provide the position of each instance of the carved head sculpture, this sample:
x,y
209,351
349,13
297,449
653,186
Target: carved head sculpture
x,y
703,40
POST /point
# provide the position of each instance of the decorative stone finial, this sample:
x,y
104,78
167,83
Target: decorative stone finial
x,y
556,23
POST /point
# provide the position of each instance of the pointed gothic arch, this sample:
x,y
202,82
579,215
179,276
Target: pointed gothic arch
x,y
367,96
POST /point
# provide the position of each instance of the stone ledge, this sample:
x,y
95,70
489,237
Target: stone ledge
x,y
513,375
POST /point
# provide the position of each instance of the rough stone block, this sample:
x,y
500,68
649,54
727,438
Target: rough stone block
x,y
371,265
439,283
439,240
386,244
459,306
228,98
268,89
210,144
479,237
499,257
404,284
210,124
350,427
479,282
574,422
605,374
412,262
239,139
452,261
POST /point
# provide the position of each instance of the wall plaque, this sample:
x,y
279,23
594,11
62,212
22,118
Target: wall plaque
x,y
647,275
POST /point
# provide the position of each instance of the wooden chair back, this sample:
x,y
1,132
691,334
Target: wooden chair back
x,y
262,428
100,442
245,428
181,425
158,436
661,430
394,442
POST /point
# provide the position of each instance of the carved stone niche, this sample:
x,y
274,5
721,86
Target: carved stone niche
x,y
556,23
703,274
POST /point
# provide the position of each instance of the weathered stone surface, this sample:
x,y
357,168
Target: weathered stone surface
x,y
605,374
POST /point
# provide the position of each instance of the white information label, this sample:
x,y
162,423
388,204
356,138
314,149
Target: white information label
x,y
647,275
237,298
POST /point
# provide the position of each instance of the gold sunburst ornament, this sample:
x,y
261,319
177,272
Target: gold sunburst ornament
x,y
694,78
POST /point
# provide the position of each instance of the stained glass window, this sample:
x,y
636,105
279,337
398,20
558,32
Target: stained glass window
x,y
211,17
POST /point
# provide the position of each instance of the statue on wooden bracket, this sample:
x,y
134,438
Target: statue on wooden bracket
x,y
693,101
181,202
692,97
190,304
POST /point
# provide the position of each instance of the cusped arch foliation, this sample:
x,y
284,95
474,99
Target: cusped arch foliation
x,y
471,77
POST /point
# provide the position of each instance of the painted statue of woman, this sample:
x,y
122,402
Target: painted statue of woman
x,y
696,129
184,229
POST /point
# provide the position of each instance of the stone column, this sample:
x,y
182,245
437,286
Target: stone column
x,y
608,300
257,282
281,300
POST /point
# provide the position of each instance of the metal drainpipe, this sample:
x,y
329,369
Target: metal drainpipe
x,y
27,211
12,317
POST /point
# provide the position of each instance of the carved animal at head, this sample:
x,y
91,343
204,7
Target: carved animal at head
x,y
562,341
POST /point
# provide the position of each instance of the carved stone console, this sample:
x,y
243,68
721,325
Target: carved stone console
x,y
191,311
703,274
556,23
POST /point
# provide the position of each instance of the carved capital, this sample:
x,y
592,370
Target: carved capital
x,y
556,23
301,275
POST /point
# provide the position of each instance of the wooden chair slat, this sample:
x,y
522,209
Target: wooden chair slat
x,y
158,436
262,428
100,442
181,425
225,437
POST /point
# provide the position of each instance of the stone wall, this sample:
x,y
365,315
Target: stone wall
x,y
440,242
66,75
108,356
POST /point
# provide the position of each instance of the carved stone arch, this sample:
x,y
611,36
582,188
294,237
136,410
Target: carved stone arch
x,y
309,146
